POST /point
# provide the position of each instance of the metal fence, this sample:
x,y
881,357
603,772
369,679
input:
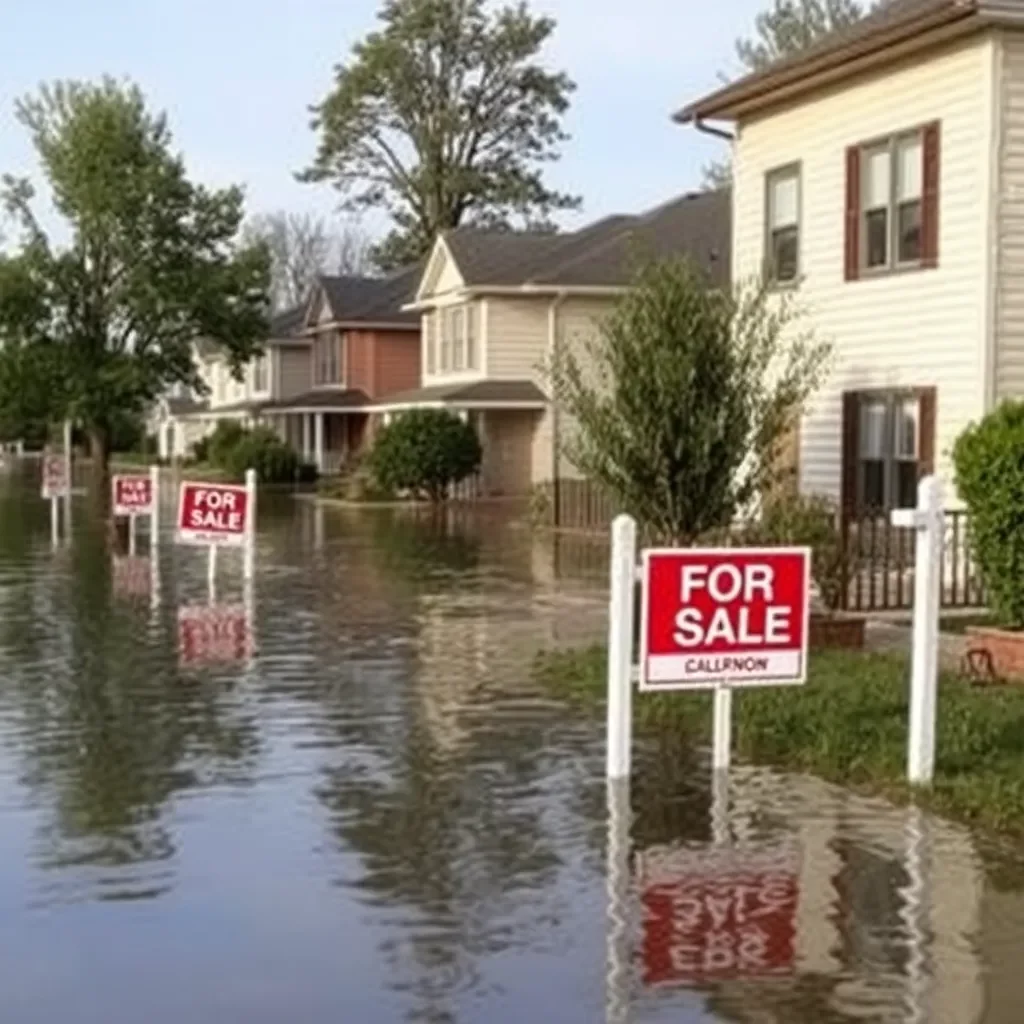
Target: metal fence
x,y
881,564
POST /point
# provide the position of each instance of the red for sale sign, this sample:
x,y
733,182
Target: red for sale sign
x,y
211,513
213,634
724,615
55,475
712,915
133,495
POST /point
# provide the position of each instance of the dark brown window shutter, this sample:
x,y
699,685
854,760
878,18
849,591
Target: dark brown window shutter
x,y
930,196
926,427
850,452
851,260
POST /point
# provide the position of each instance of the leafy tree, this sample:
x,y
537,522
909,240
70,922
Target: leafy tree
x,y
783,30
442,116
106,321
683,398
425,451
989,461
301,247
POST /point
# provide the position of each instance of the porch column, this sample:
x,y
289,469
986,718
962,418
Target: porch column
x,y
307,430
319,441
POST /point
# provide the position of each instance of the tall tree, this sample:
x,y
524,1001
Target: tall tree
x,y
303,246
106,321
684,397
444,115
785,29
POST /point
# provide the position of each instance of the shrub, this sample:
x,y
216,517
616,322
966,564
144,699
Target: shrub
x,y
201,450
812,521
425,451
225,437
261,449
989,461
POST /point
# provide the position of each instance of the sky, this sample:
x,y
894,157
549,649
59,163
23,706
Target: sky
x,y
236,78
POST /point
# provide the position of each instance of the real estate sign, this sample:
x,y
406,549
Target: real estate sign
x,y
211,513
734,616
55,476
133,495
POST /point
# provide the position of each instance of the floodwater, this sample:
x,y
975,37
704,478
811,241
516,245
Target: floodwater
x,y
339,797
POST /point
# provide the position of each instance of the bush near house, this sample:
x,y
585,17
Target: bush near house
x,y
989,461
234,449
425,452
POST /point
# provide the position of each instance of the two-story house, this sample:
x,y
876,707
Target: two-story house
x,y
496,305
361,348
322,370
880,175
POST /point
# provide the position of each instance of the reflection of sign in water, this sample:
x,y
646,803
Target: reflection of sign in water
x,y
132,576
733,615
213,634
213,513
133,495
716,914
55,477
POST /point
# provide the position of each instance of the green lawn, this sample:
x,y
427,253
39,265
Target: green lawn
x,y
847,725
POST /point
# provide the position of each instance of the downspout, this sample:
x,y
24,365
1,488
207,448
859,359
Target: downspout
x,y
718,133
993,262
553,354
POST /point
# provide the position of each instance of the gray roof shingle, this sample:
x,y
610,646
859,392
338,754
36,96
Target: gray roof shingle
x,y
373,299
482,391
604,253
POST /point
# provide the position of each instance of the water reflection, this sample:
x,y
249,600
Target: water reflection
x,y
378,817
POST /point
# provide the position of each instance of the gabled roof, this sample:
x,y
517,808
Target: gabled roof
x,y
287,323
372,299
602,254
895,29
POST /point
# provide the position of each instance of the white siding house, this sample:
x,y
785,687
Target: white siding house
x,y
881,179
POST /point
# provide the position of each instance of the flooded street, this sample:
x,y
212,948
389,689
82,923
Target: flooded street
x,y
374,815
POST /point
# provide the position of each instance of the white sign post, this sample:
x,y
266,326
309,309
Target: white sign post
x,y
56,487
928,520
711,618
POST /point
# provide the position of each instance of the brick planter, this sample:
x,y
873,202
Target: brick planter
x,y
1004,649
836,631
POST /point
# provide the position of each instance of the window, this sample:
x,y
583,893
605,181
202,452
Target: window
x,y
259,373
219,383
471,331
430,334
327,367
782,237
445,359
892,203
889,446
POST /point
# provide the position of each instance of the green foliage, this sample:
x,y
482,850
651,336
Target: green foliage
x,y
444,115
847,725
684,396
793,520
425,451
234,449
219,444
105,323
989,461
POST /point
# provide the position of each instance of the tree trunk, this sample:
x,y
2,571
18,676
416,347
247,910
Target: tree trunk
x,y
99,481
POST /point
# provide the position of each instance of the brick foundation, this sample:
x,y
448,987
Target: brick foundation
x,y
836,631
1003,647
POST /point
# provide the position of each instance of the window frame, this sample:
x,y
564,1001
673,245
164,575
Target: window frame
x,y
792,169
893,400
329,369
455,331
261,368
890,144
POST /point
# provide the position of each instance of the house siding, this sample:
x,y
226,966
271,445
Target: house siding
x,y
1008,377
517,338
359,365
396,362
918,328
296,372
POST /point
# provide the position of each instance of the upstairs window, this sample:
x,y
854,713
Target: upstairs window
x,y
259,373
892,189
454,332
327,367
782,236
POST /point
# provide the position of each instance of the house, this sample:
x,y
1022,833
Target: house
x,y
361,348
495,305
181,417
324,367
880,176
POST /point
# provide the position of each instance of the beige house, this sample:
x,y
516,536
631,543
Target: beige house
x,y
880,175
495,305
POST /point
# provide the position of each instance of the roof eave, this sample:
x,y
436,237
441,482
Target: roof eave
x,y
529,289
904,39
